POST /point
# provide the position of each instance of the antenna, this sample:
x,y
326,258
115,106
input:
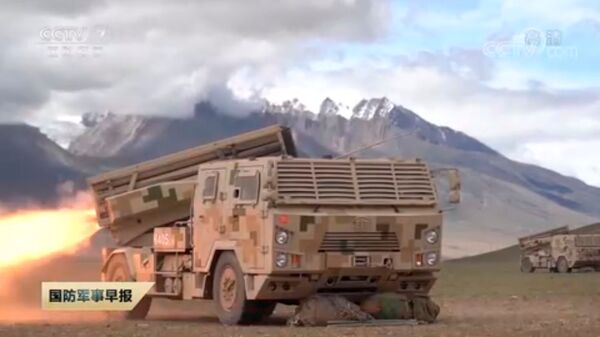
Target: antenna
x,y
379,142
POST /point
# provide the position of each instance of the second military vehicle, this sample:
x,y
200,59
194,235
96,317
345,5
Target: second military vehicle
x,y
559,250
243,222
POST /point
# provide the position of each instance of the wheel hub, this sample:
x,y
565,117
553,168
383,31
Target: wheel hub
x,y
228,288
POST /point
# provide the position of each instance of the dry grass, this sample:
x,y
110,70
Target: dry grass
x,y
497,276
481,296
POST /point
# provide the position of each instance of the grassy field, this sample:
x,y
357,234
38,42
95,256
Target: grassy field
x,y
496,275
485,295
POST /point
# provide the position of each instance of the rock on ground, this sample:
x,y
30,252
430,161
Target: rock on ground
x,y
398,306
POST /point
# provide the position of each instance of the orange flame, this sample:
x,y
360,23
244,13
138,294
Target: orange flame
x,y
31,234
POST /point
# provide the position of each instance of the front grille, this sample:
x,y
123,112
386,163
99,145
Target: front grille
x,y
359,242
361,261
587,241
354,181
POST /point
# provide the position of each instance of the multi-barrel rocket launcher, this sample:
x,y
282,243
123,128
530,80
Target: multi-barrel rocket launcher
x,y
177,175
244,222
560,250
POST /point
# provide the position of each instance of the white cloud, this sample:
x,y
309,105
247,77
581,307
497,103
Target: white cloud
x,y
556,12
577,158
156,57
523,123
161,57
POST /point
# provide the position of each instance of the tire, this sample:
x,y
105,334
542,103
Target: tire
x,y
562,265
229,295
526,265
118,271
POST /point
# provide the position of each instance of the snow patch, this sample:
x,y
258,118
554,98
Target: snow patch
x,y
442,133
121,129
330,108
373,108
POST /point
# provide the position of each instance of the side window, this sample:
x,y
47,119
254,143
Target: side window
x,y
209,192
246,187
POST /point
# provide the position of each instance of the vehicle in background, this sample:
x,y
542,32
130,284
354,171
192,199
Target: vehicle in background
x,y
559,250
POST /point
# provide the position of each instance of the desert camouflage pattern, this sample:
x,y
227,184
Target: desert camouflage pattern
x,y
546,250
134,213
297,226
353,227
181,166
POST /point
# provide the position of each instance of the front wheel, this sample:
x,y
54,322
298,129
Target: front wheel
x,y
118,271
526,265
229,295
562,265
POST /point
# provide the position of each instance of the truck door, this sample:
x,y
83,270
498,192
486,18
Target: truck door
x,y
209,217
247,224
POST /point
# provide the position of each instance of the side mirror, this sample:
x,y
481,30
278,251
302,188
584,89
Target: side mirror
x,y
454,197
453,176
454,182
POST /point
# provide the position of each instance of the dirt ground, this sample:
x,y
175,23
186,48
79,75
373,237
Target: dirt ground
x,y
479,297
460,317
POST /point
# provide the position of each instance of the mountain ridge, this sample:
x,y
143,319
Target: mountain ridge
x,y
33,166
502,199
372,120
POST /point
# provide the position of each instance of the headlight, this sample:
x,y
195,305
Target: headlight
x,y
281,260
282,237
431,258
431,237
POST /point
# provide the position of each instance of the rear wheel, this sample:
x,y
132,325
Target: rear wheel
x,y
229,295
526,265
118,271
562,265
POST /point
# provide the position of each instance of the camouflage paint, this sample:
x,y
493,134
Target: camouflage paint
x,y
332,247
544,250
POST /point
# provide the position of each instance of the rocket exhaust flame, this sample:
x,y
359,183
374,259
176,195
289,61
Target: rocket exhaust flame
x,y
38,244
31,234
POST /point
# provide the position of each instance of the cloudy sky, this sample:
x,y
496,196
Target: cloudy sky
x,y
522,76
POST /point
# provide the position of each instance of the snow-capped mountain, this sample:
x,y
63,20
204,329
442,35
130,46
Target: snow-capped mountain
x,y
379,115
107,134
502,199
110,134
91,119
137,138
373,108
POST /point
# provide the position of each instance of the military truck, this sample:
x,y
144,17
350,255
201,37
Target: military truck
x,y
559,250
244,222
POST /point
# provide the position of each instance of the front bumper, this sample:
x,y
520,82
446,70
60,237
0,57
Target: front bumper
x,y
346,282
